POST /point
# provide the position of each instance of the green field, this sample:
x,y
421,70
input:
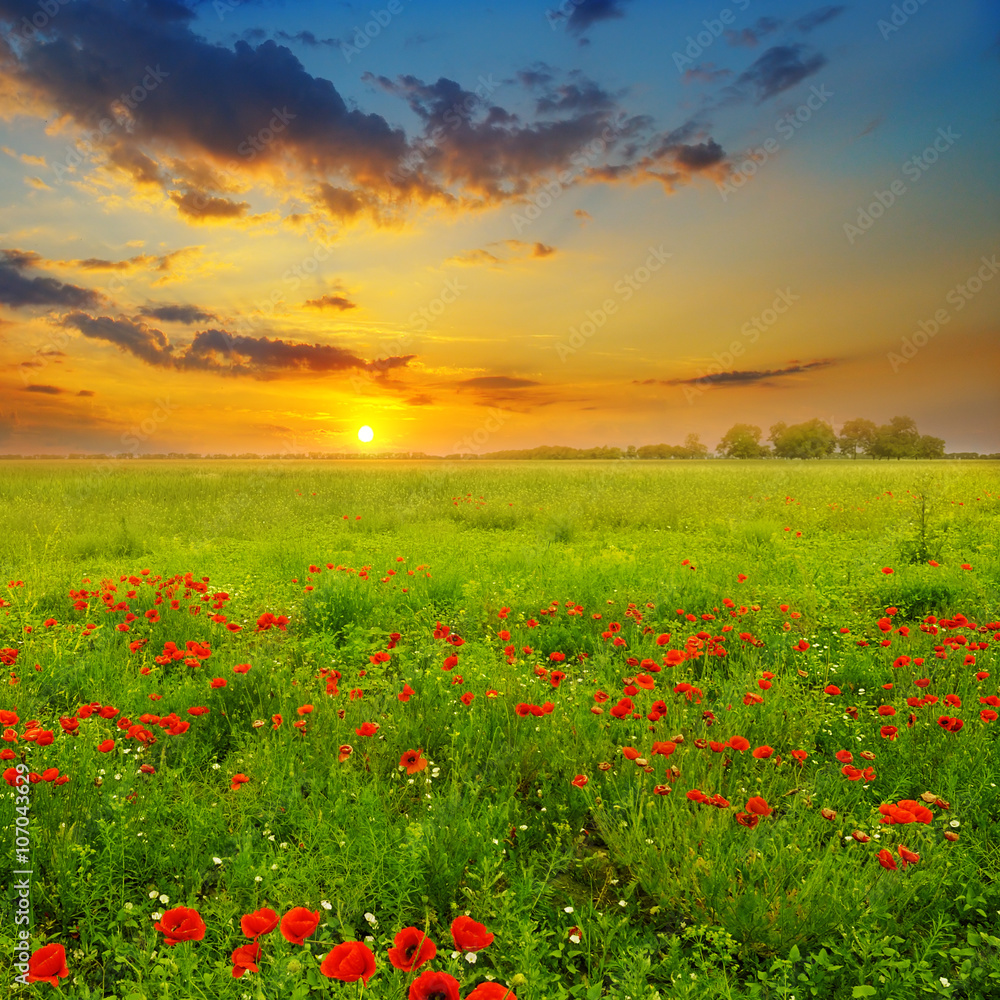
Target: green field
x,y
800,643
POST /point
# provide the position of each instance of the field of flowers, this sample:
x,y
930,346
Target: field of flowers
x,y
499,730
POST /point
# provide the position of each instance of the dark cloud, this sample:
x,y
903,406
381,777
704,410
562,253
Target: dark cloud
x,y
421,399
203,102
47,390
201,207
779,68
17,290
750,37
307,38
815,18
341,302
497,382
86,392
742,377
701,156
225,353
177,314
129,336
586,13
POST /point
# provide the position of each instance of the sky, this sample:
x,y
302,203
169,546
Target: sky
x,y
231,227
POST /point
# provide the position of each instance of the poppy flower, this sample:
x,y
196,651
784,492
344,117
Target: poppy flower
x,y
861,838
800,755
298,924
739,743
181,924
494,991
758,806
747,819
349,962
106,746
367,729
258,923
238,779
434,986
469,935
907,855
886,860
580,780
245,959
413,761
46,963
762,753
412,948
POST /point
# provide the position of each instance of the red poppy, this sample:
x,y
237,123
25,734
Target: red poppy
x,y
800,755
907,855
886,860
697,795
747,819
888,570
469,935
861,838
831,689
467,698
434,986
238,779
258,923
46,963
367,729
580,780
491,991
412,949
762,753
349,962
181,924
758,806
413,761
844,756
298,924
106,746
739,743
245,959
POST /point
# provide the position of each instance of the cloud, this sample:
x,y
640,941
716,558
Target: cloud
x,y
750,37
815,18
225,353
497,382
18,290
779,68
203,104
129,336
33,161
583,215
420,399
503,252
705,73
197,206
86,392
307,38
177,314
742,377
341,302
48,390
589,12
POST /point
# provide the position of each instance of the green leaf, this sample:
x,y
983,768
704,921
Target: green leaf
x,y
863,991
793,953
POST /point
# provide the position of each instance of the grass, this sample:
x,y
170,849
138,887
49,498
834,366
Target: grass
x,y
723,599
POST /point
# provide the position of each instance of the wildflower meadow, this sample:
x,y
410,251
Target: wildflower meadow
x,y
487,730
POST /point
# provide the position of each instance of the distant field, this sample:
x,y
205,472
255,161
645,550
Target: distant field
x,y
762,653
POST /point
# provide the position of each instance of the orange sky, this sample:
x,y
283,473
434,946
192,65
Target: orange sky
x,y
236,229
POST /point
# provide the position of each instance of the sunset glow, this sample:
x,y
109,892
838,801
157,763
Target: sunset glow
x,y
227,227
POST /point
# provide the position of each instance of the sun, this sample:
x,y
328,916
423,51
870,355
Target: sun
x,y
365,434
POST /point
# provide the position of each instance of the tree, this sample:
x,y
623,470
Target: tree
x,y
930,447
742,441
694,447
812,439
897,439
855,434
